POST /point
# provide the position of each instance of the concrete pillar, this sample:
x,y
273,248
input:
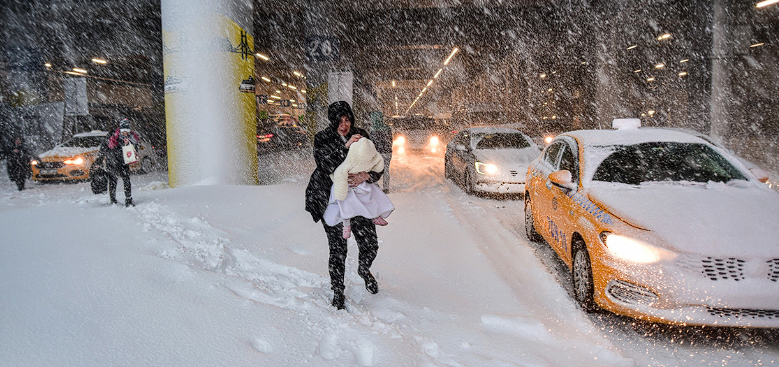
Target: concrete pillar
x,y
210,118
720,78
610,92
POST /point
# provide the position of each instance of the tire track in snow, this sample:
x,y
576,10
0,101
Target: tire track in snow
x,y
499,235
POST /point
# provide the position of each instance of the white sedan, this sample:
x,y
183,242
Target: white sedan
x,y
490,159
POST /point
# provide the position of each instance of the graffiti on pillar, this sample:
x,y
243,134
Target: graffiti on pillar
x,y
247,85
242,48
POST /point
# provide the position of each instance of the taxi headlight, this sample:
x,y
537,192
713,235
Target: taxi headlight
x,y
486,168
76,160
634,250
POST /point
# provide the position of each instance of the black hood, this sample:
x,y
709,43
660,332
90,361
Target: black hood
x,y
338,109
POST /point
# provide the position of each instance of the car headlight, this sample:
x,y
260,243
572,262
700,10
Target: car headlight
x,y
400,140
634,250
76,160
434,140
486,168
34,162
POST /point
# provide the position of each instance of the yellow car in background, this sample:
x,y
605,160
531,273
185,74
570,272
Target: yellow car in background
x,y
71,160
658,225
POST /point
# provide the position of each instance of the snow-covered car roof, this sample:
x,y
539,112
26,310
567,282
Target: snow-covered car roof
x,y
492,130
91,133
633,136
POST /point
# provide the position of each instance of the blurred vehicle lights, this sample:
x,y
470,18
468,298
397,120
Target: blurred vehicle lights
x,y
76,160
486,168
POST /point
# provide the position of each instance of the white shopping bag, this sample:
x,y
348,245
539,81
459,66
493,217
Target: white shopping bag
x,y
128,152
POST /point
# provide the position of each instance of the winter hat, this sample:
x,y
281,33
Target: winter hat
x,y
124,126
338,109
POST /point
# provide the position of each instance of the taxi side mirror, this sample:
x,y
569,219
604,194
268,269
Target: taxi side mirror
x,y
761,175
562,179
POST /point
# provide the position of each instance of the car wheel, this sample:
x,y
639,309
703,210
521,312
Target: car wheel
x,y
530,228
581,276
146,165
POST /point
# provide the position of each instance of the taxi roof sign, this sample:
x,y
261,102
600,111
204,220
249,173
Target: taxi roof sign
x,y
622,124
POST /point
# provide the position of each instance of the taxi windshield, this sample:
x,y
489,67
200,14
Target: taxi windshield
x,y
502,141
664,161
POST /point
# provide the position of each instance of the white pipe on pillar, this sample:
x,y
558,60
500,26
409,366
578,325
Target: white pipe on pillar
x,y
211,123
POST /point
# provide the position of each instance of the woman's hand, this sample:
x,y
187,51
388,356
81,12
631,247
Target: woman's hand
x,y
357,178
353,139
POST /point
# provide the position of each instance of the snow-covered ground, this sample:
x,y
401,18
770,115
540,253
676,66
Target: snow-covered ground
x,y
237,276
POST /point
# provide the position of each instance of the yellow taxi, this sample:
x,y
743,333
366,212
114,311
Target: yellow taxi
x,y
71,160
658,225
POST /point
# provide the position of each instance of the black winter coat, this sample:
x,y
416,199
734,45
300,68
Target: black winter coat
x,y
17,160
114,162
329,153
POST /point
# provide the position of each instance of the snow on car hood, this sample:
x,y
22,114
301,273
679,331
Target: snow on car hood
x,y
512,157
713,219
66,151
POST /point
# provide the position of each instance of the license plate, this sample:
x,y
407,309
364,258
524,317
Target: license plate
x,y
48,171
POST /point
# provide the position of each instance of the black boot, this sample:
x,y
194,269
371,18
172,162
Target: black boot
x,y
113,201
370,282
339,300
128,202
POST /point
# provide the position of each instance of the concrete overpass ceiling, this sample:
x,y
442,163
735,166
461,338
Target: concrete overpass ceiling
x,y
403,40
69,33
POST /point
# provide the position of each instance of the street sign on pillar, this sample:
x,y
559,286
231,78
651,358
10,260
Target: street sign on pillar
x,y
322,48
